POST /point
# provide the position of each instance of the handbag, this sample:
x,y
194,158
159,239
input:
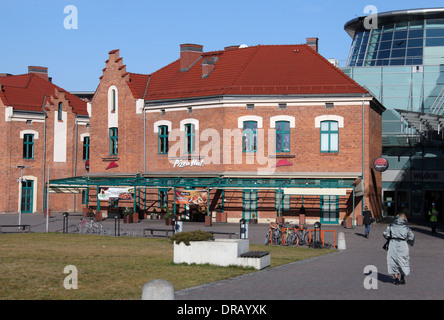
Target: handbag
x,y
386,244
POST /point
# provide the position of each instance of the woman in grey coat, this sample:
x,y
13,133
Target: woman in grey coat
x,y
398,258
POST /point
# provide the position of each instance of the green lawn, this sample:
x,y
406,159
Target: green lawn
x,y
32,266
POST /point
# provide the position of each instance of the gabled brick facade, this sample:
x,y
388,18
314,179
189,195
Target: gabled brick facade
x,y
213,97
29,114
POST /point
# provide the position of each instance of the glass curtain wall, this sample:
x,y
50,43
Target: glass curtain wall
x,y
399,44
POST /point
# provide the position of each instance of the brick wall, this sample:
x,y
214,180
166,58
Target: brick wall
x,y
212,119
12,144
130,124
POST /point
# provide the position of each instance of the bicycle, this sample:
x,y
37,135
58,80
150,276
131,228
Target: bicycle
x,y
88,227
303,236
289,236
274,234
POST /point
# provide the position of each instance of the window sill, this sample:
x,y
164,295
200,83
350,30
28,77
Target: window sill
x,y
111,158
283,156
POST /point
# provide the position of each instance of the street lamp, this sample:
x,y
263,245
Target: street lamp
x,y
20,180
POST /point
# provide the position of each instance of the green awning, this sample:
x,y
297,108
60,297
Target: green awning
x,y
77,184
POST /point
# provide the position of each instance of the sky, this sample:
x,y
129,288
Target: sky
x,y
73,37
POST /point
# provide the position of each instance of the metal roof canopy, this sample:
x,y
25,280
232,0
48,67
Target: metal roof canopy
x,y
77,184
423,122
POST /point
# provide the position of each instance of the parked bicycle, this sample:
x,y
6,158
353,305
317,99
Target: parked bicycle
x,y
287,235
93,227
303,236
274,234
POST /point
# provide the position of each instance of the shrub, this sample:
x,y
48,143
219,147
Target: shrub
x,y
186,237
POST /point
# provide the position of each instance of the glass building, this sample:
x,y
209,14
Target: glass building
x,y
399,57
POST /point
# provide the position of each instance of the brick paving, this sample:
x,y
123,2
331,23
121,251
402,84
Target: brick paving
x,y
336,276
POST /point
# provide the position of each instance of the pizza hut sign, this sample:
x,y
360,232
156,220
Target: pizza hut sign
x,y
380,164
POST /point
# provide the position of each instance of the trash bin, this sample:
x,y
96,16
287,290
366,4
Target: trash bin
x,y
179,226
243,229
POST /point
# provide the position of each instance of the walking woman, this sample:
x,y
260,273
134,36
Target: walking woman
x,y
398,257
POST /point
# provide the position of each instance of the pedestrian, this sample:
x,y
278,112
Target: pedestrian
x,y
398,257
367,221
433,214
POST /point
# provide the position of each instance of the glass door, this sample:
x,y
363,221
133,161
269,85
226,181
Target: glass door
x,y
27,196
249,205
329,209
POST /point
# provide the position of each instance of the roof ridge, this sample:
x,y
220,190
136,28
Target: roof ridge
x,y
339,71
35,82
244,66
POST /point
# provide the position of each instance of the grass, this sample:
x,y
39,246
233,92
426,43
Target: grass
x,y
109,268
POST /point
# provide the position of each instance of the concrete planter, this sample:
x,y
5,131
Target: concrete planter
x,y
220,252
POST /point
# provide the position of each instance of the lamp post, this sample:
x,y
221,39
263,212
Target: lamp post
x,y
21,167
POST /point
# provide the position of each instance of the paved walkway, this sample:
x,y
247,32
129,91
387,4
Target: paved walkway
x,y
339,275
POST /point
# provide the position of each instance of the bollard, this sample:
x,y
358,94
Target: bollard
x,y
65,222
116,225
341,241
158,290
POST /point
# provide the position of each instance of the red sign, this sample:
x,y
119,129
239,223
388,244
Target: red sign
x,y
380,164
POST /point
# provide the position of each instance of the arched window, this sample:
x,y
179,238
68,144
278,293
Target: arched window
x,y
28,146
163,139
189,138
249,136
114,102
282,136
59,112
329,136
113,99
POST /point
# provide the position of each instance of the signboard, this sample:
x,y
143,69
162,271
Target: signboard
x,y
116,193
187,161
198,197
380,164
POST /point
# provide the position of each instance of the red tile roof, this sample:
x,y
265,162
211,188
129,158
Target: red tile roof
x,y
27,92
258,70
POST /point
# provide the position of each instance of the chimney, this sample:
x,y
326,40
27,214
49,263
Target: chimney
x,y
189,54
313,43
42,72
208,65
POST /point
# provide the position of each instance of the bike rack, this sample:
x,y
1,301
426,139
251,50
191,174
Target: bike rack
x,y
334,237
283,231
321,236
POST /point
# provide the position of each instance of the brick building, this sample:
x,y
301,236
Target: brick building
x,y
42,126
257,132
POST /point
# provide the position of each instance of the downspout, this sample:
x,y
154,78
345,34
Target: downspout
x,y
75,160
363,159
144,124
44,157
144,138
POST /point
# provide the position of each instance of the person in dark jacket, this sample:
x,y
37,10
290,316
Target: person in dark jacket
x,y
398,257
367,221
